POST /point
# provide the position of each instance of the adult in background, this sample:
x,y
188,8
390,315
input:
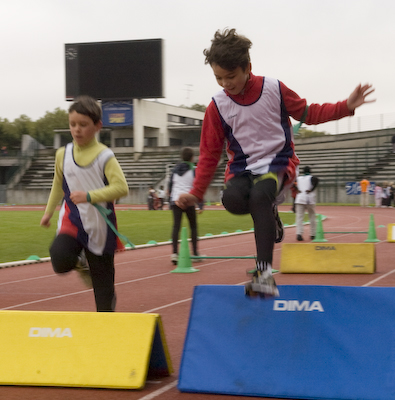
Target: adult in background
x,y
305,200
364,192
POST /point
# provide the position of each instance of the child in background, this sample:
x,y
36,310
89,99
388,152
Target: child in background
x,y
252,115
181,180
86,173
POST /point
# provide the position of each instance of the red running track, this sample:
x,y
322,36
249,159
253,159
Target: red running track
x,y
145,284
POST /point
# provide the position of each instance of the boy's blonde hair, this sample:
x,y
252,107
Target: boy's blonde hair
x,y
88,106
229,50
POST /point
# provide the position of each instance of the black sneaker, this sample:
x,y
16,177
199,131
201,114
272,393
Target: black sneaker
x,y
299,238
279,225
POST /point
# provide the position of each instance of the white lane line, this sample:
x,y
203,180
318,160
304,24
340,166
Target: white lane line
x,y
159,391
28,279
166,305
379,278
46,299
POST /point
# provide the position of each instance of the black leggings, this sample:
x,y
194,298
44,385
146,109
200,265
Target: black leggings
x,y
177,217
64,253
248,194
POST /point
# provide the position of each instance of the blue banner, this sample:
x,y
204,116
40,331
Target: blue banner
x,y
355,188
117,114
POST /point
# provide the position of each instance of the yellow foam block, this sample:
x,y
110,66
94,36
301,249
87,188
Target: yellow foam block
x,y
115,350
328,258
391,233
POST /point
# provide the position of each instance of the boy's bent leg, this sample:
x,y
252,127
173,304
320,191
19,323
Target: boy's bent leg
x,y
103,273
64,253
236,195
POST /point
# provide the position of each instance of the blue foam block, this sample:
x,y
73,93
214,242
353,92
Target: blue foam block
x,y
312,342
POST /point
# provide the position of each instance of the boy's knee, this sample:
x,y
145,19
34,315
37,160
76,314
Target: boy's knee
x,y
62,262
235,202
64,253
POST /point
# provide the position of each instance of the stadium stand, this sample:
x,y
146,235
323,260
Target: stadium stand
x,y
343,165
335,159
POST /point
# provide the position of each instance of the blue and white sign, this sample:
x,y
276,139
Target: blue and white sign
x,y
355,188
117,114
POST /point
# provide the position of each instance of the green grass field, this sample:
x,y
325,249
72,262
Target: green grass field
x,y
22,236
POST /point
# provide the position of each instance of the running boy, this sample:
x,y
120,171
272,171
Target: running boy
x,y
252,115
86,173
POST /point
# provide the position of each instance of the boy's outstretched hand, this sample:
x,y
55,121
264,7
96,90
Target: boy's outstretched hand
x,y
358,96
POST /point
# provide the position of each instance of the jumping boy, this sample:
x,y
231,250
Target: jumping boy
x,y
252,115
86,173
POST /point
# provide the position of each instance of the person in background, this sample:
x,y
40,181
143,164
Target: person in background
x,y
364,184
151,197
294,192
181,180
305,200
161,197
378,195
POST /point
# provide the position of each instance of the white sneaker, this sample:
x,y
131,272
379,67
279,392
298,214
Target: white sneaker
x,y
174,258
262,284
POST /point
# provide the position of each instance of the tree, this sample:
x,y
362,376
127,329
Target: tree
x,y
45,126
306,133
198,107
12,131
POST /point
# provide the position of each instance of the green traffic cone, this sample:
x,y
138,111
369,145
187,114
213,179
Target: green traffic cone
x,y
372,237
34,257
184,264
319,233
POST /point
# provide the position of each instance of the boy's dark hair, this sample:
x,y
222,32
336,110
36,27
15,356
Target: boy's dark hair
x,y
229,50
187,154
88,106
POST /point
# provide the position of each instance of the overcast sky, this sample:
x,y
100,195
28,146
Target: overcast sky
x,y
321,49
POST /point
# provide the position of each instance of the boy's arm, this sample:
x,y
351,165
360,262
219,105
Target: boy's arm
x,y
317,113
56,194
211,147
117,186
